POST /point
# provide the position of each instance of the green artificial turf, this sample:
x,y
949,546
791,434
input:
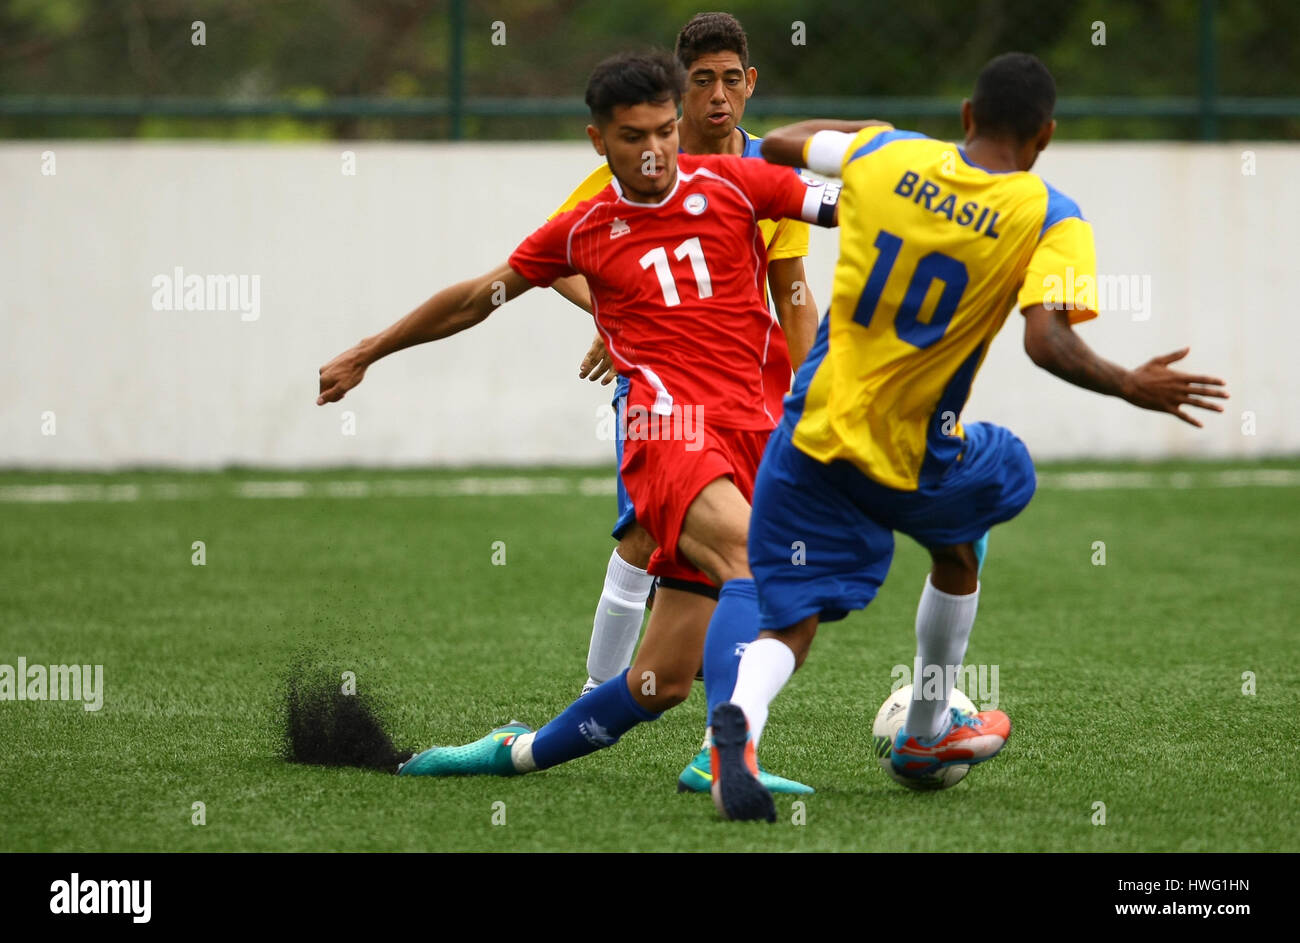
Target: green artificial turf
x,y
1124,681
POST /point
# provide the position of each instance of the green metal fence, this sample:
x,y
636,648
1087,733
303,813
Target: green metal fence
x,y
458,114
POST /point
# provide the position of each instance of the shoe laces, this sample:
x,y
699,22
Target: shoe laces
x,y
956,719
960,719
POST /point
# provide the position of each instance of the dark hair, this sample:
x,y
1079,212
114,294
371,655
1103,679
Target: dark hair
x,y
712,32
633,78
1014,97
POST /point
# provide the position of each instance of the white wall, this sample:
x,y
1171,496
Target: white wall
x,y
341,256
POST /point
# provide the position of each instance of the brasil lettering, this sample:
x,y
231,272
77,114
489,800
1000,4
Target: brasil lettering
x,y
928,192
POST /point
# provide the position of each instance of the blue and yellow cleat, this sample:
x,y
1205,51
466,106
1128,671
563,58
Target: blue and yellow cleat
x,y
489,756
698,777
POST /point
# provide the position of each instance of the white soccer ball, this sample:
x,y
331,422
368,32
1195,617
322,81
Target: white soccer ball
x,y
889,720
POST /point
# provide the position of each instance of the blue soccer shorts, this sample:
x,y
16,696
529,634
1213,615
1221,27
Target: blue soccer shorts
x,y
821,535
626,512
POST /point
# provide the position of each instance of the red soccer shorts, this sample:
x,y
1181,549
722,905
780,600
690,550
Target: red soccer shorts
x,y
663,477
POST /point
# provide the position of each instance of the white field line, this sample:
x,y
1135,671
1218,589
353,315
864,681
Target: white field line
x,y
1141,481
603,486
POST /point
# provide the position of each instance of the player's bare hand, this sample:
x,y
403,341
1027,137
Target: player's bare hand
x,y
597,365
1154,386
340,375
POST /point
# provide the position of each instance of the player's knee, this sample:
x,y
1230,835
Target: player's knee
x,y
960,557
956,569
666,689
738,570
732,562
635,546
802,647
799,638
658,686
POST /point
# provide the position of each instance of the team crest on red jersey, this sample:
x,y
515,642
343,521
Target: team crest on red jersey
x,y
695,204
618,228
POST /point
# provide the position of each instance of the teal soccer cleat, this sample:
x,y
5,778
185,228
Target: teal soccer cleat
x,y
488,756
698,777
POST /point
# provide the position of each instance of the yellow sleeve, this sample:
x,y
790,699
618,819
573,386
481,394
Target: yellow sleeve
x,y
1062,272
596,181
859,139
826,152
784,238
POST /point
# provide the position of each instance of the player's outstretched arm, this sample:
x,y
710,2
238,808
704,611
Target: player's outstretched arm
x,y
786,145
1052,344
448,312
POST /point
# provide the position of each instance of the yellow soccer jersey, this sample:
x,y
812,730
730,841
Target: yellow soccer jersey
x,y
934,252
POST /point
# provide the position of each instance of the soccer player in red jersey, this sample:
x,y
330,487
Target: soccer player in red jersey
x,y
673,256
713,49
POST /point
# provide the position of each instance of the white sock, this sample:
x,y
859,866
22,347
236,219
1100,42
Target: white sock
x,y
618,619
943,625
764,669
521,753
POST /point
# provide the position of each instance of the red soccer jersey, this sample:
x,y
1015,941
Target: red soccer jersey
x,y
678,286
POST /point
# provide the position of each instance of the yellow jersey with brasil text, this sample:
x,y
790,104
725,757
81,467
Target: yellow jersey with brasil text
x,y
784,238
934,252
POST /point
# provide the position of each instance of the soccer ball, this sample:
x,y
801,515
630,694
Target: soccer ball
x,y
889,720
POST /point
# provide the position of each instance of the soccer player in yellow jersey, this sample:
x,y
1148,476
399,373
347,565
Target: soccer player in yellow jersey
x,y
714,51
937,243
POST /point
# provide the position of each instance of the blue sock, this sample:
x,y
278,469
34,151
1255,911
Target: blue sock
x,y
733,626
593,721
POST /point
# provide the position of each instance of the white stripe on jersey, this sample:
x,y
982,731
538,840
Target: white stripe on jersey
x,y
663,405
568,245
762,289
